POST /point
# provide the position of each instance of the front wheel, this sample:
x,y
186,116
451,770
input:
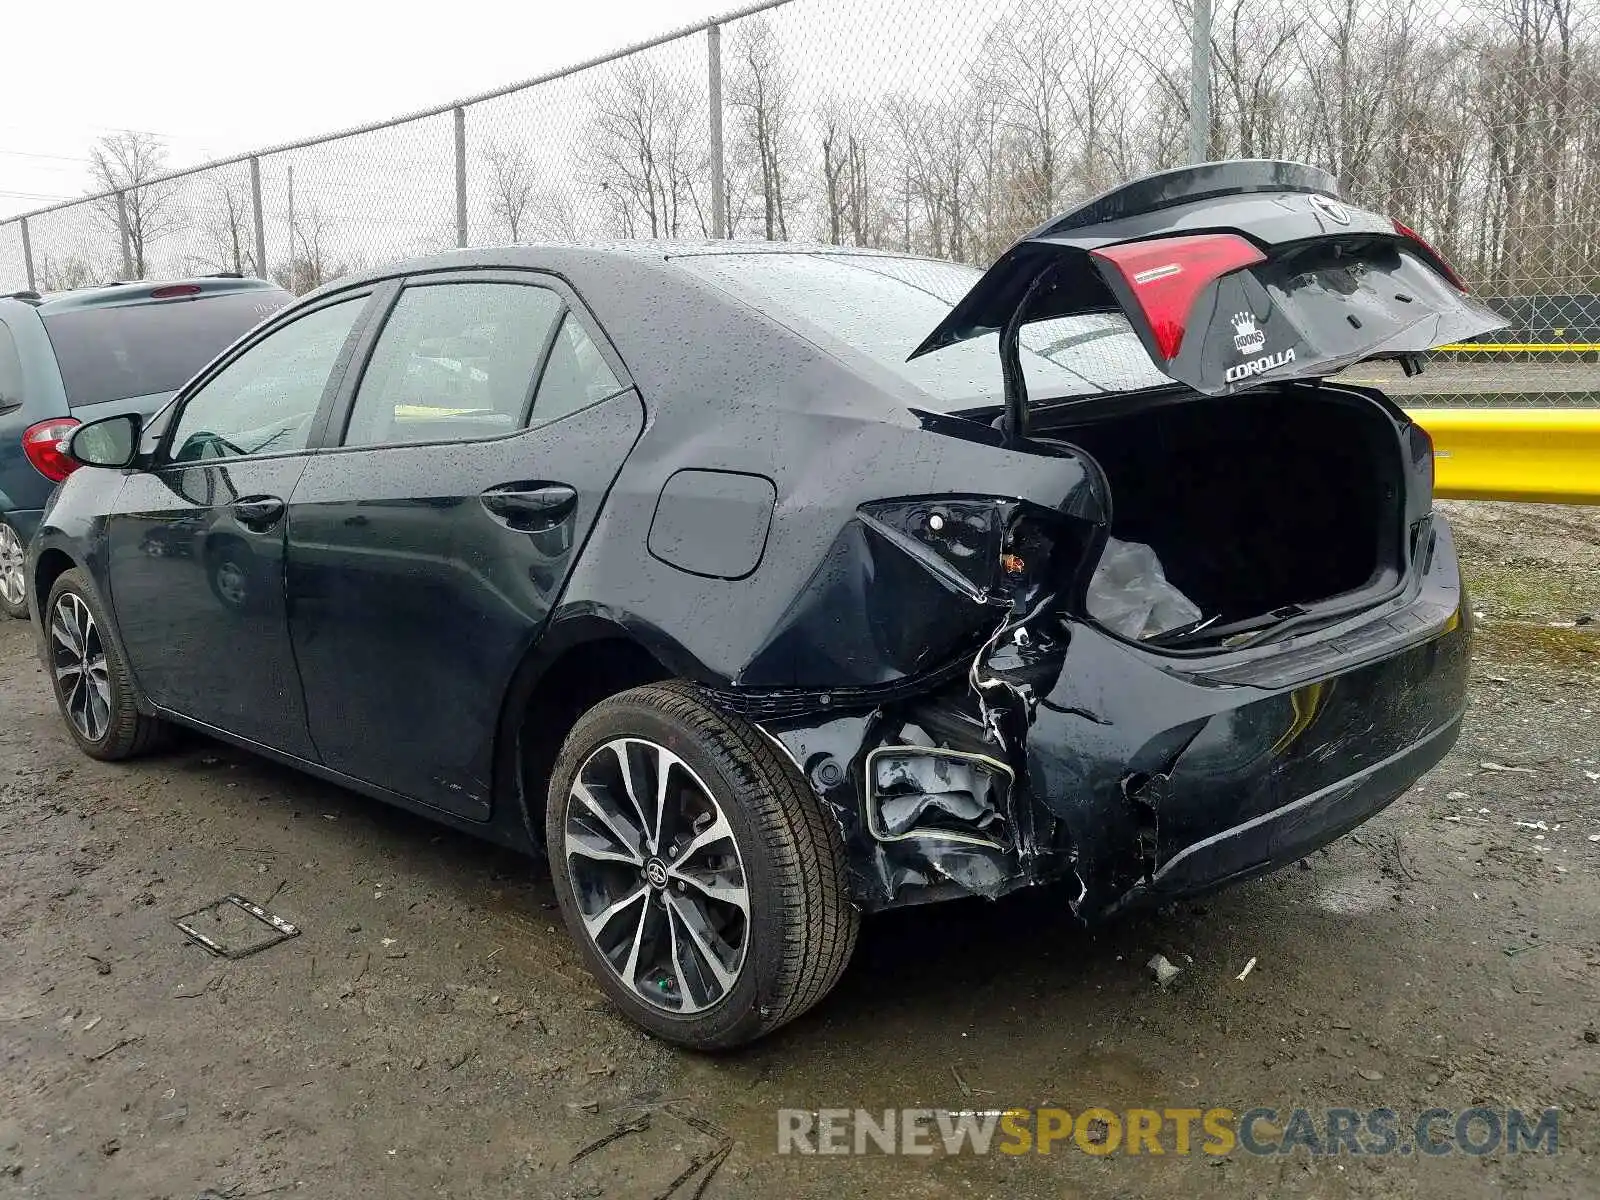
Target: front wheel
x,y
91,681
697,871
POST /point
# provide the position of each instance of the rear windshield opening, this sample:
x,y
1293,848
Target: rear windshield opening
x,y
883,307
126,350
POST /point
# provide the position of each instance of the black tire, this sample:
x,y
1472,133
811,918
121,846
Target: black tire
x,y
801,927
11,543
126,732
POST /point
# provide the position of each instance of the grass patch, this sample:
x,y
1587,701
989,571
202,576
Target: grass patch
x,y
1538,645
1530,591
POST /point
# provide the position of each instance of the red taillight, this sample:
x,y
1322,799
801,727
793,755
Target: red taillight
x,y
1167,275
42,444
1438,259
173,290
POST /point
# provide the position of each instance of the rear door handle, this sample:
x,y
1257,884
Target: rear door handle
x,y
530,508
258,514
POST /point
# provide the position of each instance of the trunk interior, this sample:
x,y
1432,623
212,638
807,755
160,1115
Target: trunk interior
x,y
1259,506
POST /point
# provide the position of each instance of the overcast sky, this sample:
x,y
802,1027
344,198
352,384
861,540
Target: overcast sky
x,y
219,78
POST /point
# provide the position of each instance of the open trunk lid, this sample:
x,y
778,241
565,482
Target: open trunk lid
x,y
1231,274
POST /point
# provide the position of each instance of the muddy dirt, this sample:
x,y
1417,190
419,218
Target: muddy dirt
x,y
430,1032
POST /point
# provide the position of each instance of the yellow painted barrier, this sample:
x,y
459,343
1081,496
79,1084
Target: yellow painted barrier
x,y
1520,347
1546,454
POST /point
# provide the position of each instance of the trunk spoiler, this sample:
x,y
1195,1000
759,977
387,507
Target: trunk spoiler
x,y
1231,274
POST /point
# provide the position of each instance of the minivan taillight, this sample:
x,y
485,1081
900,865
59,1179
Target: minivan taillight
x,y
1167,275
41,442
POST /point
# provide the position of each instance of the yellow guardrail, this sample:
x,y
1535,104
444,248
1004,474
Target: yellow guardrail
x,y
1543,454
1519,347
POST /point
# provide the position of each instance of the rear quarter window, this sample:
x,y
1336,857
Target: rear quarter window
x,y
128,350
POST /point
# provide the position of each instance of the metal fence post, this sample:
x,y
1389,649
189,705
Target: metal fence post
x,y
27,254
122,231
1200,83
461,176
260,219
719,181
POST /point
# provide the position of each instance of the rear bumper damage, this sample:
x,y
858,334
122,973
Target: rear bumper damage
x,y
1066,756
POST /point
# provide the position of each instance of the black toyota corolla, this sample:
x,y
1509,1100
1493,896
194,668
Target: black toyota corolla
x,y
761,587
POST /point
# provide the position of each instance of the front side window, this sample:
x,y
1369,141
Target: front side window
x,y
455,361
264,401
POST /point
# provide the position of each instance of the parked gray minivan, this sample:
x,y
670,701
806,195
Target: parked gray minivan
x,y
72,357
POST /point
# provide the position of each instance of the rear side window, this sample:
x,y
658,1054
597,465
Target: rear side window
x,y
10,370
142,349
576,375
455,362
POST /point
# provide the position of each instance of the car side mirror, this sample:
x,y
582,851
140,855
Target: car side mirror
x,y
108,442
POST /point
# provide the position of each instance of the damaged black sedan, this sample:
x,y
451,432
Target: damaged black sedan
x,y
761,587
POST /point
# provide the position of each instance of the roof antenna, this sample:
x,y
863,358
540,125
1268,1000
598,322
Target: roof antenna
x,y
1014,421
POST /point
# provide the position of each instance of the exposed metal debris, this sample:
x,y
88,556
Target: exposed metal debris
x,y
234,927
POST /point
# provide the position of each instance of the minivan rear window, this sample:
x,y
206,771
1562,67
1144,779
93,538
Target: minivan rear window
x,y
125,350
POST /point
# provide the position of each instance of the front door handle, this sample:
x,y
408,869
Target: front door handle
x,y
258,514
530,508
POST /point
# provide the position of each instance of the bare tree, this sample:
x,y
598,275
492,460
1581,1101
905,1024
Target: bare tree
x,y
1022,73
311,263
127,162
936,148
640,150
513,185
550,215
63,274
1353,61
1252,59
848,217
1095,108
761,93
226,232
1528,76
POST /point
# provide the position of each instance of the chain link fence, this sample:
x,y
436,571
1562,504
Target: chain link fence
x,y
946,128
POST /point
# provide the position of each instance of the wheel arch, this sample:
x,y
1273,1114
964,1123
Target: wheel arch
x,y
52,564
577,663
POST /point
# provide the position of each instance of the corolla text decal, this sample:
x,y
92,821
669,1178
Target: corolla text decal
x,y
1259,366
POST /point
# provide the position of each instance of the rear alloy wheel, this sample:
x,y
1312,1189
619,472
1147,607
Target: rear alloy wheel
x,y
695,868
13,577
657,876
91,681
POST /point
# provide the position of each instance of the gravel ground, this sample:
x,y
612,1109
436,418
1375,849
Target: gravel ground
x,y
1537,383
431,1032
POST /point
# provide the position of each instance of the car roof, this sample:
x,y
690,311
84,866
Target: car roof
x,y
148,291
558,256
